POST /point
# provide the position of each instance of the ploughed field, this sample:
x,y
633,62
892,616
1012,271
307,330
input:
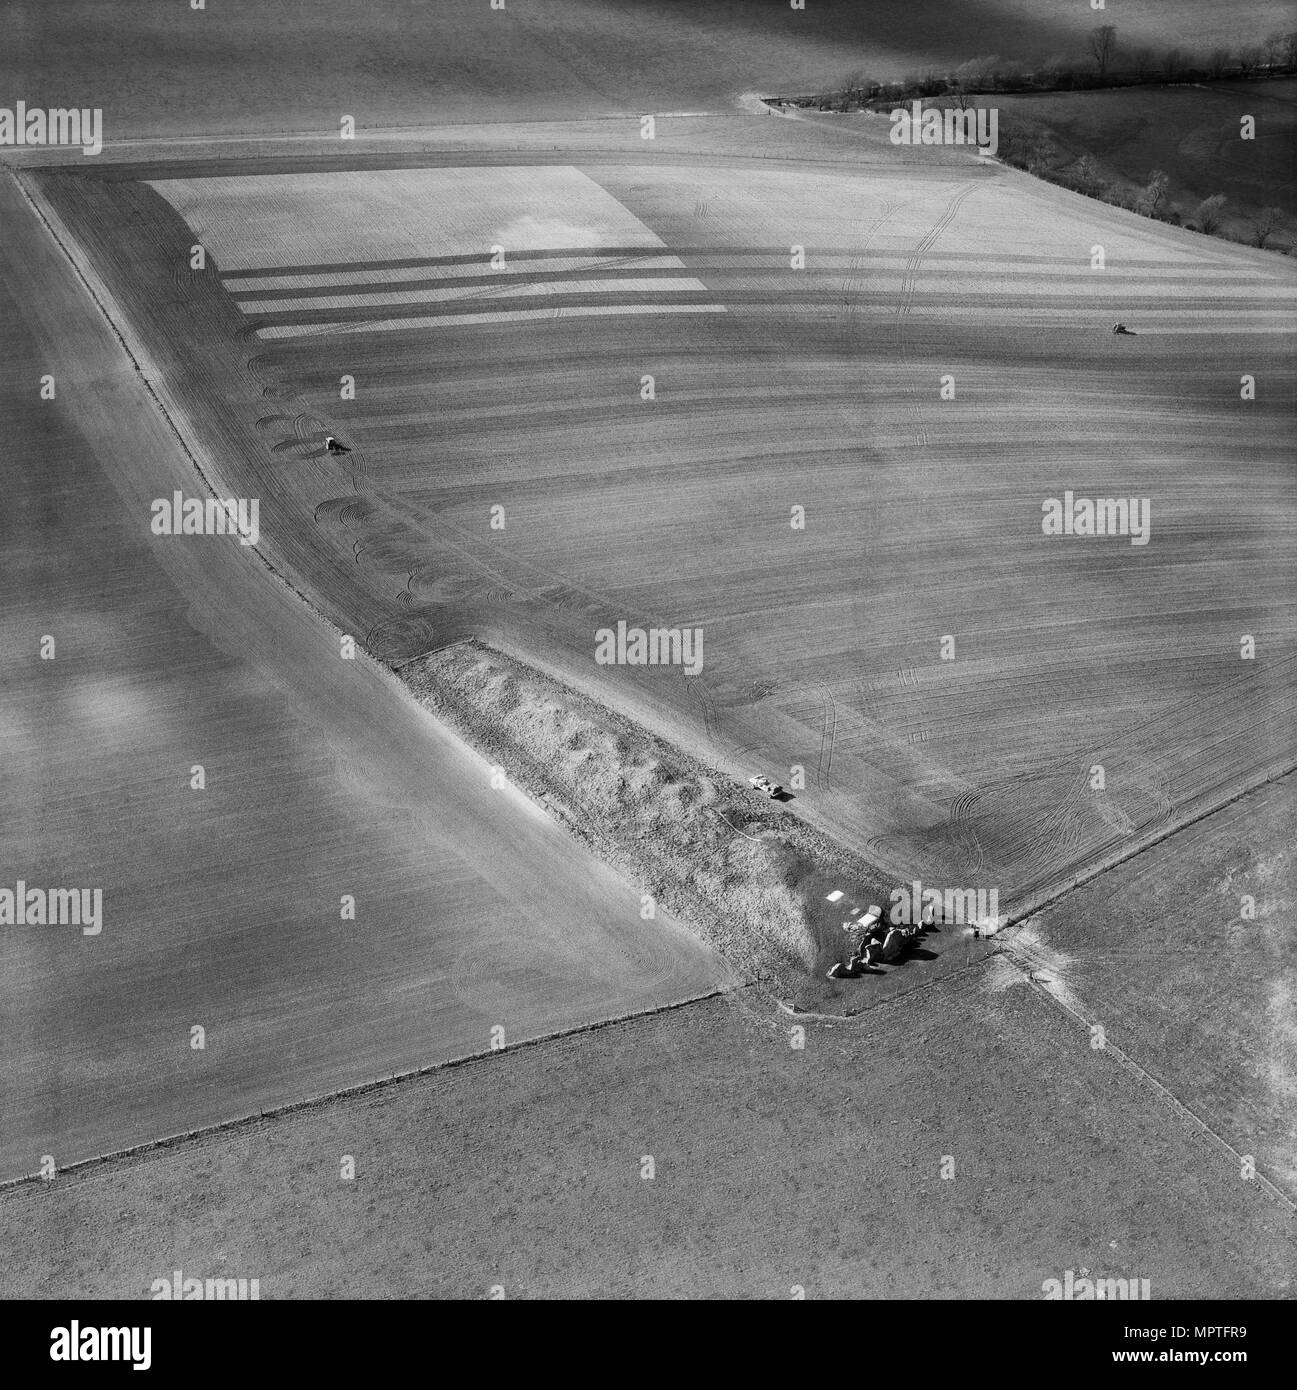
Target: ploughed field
x,y
223,907
1186,958
521,388
966,1142
161,69
879,604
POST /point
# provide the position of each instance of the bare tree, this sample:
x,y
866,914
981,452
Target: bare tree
x,y
1290,48
1037,151
1172,62
975,74
1087,171
1155,191
1103,43
1144,60
1210,213
1265,224
1272,47
1249,59
1008,75
1218,61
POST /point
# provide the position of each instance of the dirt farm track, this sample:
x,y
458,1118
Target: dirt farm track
x,y
763,376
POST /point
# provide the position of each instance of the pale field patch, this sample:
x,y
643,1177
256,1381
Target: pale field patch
x,y
283,220
290,220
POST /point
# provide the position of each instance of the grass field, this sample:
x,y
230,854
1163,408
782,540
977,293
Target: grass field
x,y
1192,134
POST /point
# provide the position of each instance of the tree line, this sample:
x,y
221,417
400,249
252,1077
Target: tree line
x,y
1106,64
